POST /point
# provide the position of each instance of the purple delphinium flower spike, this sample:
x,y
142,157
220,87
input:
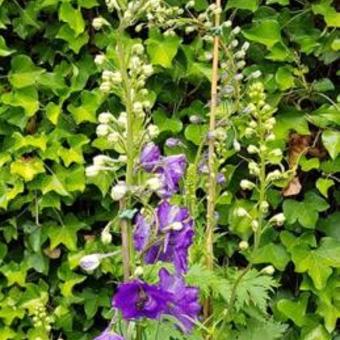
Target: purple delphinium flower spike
x,y
184,304
108,335
137,299
176,227
141,233
150,156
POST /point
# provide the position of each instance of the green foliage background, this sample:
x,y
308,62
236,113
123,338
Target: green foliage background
x,y
51,215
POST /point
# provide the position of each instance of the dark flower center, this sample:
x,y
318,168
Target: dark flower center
x,y
142,299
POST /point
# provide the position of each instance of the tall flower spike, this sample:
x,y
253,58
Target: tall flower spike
x,y
176,227
184,305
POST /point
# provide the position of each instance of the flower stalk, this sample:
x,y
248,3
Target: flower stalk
x,y
211,159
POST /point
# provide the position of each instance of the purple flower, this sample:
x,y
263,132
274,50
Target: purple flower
x,y
184,304
175,228
142,232
137,299
150,156
220,178
108,335
173,142
171,170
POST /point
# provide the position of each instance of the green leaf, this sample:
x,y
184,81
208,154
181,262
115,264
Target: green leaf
x,y
331,16
331,225
284,78
65,234
309,164
295,310
73,17
305,212
27,168
27,98
164,123
195,133
15,273
323,85
331,141
272,253
280,2
162,49
4,50
250,5
75,42
86,112
53,112
23,72
323,184
266,32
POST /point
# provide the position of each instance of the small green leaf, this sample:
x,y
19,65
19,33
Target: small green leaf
x,y
323,85
272,253
75,42
323,184
195,133
284,78
165,123
331,141
162,49
250,5
52,112
266,32
331,16
4,50
73,17
27,168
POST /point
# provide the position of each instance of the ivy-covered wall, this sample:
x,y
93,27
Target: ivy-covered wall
x,y
51,214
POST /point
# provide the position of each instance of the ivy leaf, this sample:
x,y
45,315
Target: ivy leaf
x,y
331,225
93,300
164,123
323,85
75,42
284,78
331,141
65,234
53,112
69,280
195,133
27,168
4,50
323,184
295,310
73,17
250,5
305,212
27,98
272,253
162,49
331,16
23,72
266,32
15,273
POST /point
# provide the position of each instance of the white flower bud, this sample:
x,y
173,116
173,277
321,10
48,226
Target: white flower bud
x,y
227,23
105,118
208,56
234,43
116,77
256,74
113,137
248,132
254,225
154,183
269,270
241,212
253,124
105,87
238,76
278,219
137,106
138,49
275,153
102,160
102,130
236,30
135,62
92,171
264,206
270,137
190,4
107,75
241,64
99,59
236,145
122,119
243,245
122,158
139,271
139,27
253,168
153,131
118,191
106,236
245,46
247,185
176,226
274,175
252,149
90,262
98,23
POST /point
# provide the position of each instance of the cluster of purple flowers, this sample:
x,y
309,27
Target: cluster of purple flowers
x,y
166,236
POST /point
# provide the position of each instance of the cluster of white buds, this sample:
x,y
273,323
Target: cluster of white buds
x,y
109,80
40,318
112,4
99,22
